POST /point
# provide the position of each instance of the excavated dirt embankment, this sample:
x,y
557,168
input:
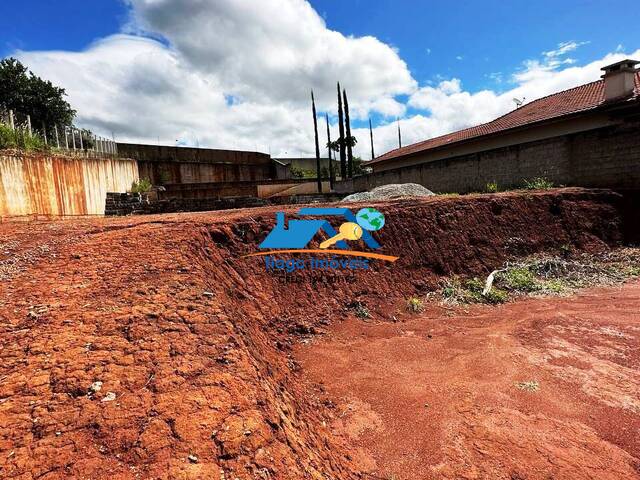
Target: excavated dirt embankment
x,y
191,342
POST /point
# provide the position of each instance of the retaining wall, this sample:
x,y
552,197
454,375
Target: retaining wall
x,y
165,165
47,184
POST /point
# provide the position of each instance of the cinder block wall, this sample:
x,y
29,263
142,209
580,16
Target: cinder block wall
x,y
608,157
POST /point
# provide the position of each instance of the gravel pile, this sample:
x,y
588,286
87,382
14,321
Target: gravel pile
x,y
386,192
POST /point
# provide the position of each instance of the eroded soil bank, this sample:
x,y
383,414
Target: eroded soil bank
x,y
192,344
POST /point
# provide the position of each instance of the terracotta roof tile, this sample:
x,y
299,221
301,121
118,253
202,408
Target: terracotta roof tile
x,y
574,100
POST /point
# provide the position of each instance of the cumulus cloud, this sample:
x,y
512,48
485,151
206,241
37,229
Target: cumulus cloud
x,y
276,50
237,74
223,73
451,108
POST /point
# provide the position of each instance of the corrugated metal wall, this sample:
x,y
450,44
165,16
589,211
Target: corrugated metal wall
x,y
35,183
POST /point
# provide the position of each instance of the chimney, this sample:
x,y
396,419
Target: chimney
x,y
619,79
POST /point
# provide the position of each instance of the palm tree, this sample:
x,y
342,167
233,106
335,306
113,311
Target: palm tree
x,y
315,131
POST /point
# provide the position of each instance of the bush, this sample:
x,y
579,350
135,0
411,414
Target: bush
x,y
491,187
474,288
362,311
7,137
10,138
296,172
141,186
521,279
470,291
538,183
415,305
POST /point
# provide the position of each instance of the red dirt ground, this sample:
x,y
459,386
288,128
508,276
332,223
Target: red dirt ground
x,y
195,342
435,396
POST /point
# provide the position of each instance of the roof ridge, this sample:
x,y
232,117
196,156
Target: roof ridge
x,y
533,102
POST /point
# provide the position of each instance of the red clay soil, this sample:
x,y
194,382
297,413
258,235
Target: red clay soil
x,y
436,395
192,342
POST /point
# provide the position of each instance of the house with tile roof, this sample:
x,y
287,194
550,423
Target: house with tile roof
x,y
585,136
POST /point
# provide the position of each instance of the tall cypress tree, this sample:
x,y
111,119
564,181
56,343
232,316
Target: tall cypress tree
x,y
330,155
343,158
347,123
315,132
373,155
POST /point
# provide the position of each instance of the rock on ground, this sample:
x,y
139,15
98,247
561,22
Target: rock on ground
x,y
385,192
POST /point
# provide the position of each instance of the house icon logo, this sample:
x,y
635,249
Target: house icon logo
x,y
293,235
298,233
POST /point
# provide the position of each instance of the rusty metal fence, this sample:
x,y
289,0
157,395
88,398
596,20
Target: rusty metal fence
x,y
66,139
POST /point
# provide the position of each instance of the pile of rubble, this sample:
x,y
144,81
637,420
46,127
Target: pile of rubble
x,y
386,192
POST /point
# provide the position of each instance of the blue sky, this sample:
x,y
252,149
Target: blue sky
x,y
489,36
481,45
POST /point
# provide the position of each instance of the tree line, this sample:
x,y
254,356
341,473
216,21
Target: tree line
x,y
24,92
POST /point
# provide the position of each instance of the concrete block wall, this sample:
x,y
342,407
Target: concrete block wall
x,y
607,157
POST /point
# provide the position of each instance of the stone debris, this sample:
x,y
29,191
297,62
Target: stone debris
x,y
95,387
109,397
386,192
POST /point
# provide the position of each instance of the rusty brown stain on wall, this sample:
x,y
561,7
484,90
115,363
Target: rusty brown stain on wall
x,y
41,183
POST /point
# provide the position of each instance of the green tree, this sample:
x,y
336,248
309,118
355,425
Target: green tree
x,y
24,92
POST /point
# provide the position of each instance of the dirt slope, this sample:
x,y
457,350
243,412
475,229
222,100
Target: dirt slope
x,y
194,341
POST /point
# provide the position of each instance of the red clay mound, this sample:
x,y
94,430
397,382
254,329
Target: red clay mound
x,y
191,342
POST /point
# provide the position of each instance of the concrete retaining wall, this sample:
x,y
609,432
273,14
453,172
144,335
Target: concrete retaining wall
x,y
258,188
46,184
164,165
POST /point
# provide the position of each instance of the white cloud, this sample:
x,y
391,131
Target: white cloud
x,y
451,108
276,50
226,73
563,48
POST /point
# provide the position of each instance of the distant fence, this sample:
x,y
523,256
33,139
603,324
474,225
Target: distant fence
x,y
68,140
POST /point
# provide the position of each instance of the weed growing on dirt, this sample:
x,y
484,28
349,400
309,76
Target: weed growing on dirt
x,y
530,386
491,187
474,288
520,279
634,271
361,311
415,305
545,275
455,291
538,183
